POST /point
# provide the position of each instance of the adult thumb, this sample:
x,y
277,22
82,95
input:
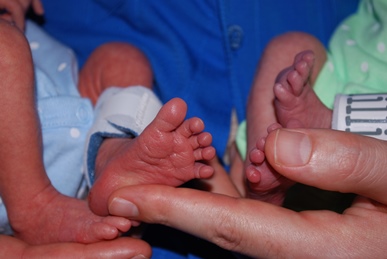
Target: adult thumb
x,y
330,160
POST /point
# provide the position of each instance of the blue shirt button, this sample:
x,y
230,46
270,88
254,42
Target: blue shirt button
x,y
84,113
235,35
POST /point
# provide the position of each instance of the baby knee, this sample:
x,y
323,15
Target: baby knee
x,y
295,40
120,51
119,64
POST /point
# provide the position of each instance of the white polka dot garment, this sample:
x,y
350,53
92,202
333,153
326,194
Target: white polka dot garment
x,y
357,57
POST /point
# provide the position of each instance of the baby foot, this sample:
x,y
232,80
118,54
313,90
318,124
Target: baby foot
x,y
52,217
263,182
296,103
168,152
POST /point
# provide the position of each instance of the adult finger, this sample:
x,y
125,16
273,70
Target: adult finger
x,y
330,160
252,227
118,248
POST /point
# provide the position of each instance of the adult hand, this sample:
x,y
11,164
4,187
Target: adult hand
x,y
124,247
15,10
322,158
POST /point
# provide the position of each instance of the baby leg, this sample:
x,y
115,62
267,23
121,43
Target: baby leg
x,y
169,151
37,212
296,105
263,183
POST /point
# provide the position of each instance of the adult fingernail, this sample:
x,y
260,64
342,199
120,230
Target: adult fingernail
x,y
123,208
292,148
